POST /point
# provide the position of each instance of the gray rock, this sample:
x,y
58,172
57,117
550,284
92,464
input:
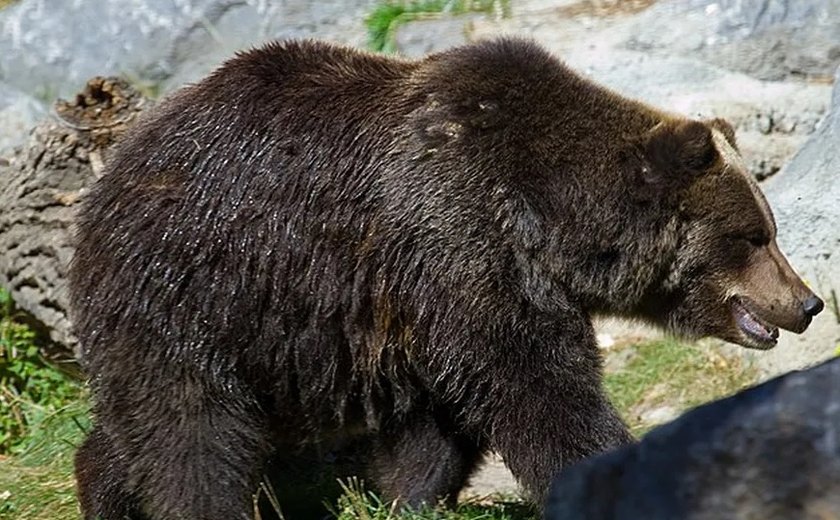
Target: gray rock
x,y
770,452
50,48
768,39
39,190
766,153
805,196
658,415
18,114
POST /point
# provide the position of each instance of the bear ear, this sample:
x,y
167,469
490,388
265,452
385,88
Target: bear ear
x,y
669,157
681,148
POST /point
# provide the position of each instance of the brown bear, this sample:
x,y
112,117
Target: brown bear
x,y
316,245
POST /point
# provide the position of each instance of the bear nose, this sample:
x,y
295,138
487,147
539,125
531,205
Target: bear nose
x,y
812,306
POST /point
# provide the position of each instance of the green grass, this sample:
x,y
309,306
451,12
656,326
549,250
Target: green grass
x,y
30,387
359,504
43,416
37,483
383,21
673,374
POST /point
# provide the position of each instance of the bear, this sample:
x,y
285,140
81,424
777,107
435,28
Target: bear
x,y
317,246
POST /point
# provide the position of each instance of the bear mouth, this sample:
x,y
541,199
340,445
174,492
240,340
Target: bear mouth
x,y
761,334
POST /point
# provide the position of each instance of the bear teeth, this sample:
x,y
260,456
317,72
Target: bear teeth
x,y
752,325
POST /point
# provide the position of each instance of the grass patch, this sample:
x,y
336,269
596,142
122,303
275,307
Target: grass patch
x,y
30,388
672,375
383,21
359,504
37,482
43,416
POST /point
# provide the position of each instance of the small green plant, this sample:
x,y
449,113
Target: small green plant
x,y
359,504
382,23
30,388
43,417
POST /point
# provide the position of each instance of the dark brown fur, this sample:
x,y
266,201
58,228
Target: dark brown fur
x,y
314,244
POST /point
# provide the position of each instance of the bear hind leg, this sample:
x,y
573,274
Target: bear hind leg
x,y
192,453
101,481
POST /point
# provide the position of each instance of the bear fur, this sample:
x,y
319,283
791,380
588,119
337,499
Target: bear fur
x,y
316,245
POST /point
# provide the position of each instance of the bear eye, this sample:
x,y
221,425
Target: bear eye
x,y
756,239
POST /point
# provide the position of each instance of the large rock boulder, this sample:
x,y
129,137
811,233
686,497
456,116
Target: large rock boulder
x,y
39,189
770,452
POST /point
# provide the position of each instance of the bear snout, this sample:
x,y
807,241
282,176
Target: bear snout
x,y
794,316
776,293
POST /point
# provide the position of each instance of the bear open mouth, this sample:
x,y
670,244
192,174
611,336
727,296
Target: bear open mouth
x,y
753,326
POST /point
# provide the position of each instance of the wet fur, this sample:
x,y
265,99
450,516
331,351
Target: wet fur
x,y
315,244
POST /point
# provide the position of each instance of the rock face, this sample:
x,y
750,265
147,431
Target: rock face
x,y
41,186
161,43
806,198
770,452
422,37
614,43
767,39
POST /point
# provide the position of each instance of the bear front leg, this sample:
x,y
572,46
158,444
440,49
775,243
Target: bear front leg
x,y
552,428
534,390
419,460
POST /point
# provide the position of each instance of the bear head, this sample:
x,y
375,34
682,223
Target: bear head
x,y
610,205
727,277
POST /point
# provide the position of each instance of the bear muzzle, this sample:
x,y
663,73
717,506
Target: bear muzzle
x,y
771,296
759,327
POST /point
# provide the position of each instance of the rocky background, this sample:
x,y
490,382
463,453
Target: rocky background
x,y
768,66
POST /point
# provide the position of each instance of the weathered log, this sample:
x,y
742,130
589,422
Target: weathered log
x,y
40,187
